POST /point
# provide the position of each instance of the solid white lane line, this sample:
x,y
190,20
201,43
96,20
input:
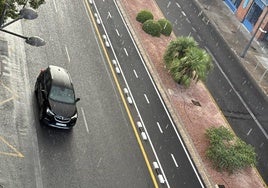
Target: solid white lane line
x,y
159,127
188,20
54,3
174,160
67,53
249,131
146,98
126,51
168,4
117,32
84,117
135,73
189,34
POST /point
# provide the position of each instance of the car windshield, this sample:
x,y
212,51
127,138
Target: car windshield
x,y
62,94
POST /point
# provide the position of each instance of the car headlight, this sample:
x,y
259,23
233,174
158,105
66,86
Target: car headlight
x,y
49,112
75,116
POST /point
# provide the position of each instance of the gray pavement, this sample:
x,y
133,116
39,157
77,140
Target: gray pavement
x,y
234,33
237,38
15,132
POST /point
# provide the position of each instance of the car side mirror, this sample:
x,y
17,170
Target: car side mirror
x,y
44,92
77,99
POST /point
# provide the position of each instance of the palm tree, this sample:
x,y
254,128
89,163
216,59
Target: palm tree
x,y
177,48
187,63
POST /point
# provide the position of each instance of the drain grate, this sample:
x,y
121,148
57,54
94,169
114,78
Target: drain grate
x,y
196,103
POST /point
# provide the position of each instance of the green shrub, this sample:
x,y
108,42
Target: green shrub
x,y
177,48
144,15
152,27
227,152
166,27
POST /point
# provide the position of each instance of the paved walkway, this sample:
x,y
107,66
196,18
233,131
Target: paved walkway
x,y
191,120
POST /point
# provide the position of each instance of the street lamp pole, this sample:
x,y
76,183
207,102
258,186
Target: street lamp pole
x,y
25,13
253,36
34,41
15,34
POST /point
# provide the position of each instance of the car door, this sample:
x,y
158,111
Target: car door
x,y
41,87
45,88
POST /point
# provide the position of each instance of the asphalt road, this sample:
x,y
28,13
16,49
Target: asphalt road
x,y
98,152
101,150
168,148
239,99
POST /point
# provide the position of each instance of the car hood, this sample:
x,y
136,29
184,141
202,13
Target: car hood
x,y
62,109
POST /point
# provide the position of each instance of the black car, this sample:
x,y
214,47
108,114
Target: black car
x,y
56,98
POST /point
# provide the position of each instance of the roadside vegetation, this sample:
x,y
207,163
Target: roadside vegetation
x,y
144,15
152,27
12,7
166,27
187,62
228,152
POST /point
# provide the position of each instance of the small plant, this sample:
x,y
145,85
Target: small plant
x,y
144,15
187,62
152,27
166,27
227,152
178,48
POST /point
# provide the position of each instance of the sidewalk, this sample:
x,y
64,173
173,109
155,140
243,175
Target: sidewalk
x,y
191,120
237,38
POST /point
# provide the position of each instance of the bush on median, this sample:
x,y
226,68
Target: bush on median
x,y
152,27
227,152
144,15
166,27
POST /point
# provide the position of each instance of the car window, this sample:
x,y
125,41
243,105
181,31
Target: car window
x,y
47,80
62,94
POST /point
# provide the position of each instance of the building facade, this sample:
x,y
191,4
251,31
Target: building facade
x,y
253,14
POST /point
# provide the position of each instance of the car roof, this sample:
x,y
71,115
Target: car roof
x,y
60,76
